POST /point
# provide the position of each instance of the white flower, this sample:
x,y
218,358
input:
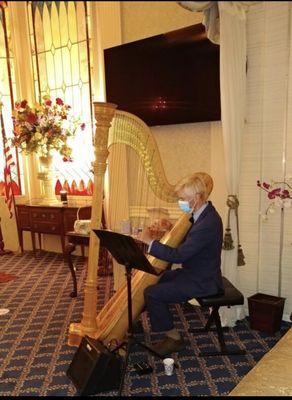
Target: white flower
x,y
287,203
43,122
278,202
66,124
38,136
28,126
288,178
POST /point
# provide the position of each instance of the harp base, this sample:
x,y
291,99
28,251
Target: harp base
x,y
77,331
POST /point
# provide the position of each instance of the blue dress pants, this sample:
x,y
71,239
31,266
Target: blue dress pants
x,y
173,287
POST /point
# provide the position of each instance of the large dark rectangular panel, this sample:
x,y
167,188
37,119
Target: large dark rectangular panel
x,y
170,78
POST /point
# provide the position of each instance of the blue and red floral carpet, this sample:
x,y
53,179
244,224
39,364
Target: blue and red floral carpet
x,y
34,355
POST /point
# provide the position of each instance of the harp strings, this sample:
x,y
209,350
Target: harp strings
x,y
139,166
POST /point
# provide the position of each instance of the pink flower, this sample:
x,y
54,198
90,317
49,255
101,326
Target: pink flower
x,y
23,103
59,101
274,193
285,194
31,118
48,103
82,126
67,159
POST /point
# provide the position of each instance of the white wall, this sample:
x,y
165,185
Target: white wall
x,y
141,19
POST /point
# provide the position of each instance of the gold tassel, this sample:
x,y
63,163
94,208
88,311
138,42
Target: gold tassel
x,y
240,257
227,241
233,204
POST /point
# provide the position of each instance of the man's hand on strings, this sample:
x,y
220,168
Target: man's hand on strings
x,y
156,230
146,235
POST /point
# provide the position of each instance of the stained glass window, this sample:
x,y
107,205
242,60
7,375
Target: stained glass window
x,y
7,95
60,42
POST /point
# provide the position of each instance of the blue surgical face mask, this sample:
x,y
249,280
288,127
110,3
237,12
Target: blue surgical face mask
x,y
185,206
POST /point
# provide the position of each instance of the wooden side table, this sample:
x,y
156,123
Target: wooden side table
x,y
48,219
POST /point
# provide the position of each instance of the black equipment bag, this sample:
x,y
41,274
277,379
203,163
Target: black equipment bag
x,y
94,368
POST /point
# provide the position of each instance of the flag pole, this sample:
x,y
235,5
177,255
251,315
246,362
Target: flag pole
x,y
2,245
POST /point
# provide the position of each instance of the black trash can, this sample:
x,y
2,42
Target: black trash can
x,y
265,312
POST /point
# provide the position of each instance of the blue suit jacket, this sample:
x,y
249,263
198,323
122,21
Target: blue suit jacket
x,y
199,254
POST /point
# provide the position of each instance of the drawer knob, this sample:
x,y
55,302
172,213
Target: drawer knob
x,y
53,228
44,215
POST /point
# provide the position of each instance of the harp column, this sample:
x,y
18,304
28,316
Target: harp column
x,y
104,113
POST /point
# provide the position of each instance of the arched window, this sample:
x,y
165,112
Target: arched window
x,y
7,96
60,42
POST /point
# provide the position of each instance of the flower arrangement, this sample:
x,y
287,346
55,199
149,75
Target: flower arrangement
x,y
279,194
44,127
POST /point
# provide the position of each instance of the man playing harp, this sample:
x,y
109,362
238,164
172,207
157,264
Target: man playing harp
x,y
199,254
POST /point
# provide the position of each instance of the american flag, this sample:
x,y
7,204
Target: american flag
x,y
9,163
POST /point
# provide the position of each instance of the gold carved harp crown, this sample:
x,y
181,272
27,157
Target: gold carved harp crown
x,y
119,127
132,131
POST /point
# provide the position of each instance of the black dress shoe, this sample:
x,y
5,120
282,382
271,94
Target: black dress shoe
x,y
168,346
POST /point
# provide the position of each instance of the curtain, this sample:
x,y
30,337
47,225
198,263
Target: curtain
x,y
232,88
225,23
210,18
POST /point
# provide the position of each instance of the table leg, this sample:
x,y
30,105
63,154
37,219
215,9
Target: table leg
x,y
33,242
20,238
40,241
82,251
63,244
68,250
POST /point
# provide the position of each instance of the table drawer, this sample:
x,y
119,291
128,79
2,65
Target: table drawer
x,y
23,219
46,227
45,215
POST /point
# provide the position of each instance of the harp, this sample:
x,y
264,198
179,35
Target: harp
x,y
113,127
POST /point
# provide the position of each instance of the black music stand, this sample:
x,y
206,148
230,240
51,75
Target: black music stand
x,y
126,252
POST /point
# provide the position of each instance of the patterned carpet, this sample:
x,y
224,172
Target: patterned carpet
x,y
34,355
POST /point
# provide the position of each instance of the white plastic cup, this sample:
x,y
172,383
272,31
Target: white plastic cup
x,y
168,366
